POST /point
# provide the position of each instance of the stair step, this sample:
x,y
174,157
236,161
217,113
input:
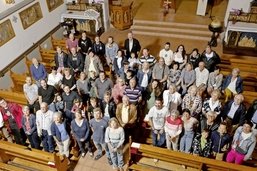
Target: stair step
x,y
163,23
170,35
171,30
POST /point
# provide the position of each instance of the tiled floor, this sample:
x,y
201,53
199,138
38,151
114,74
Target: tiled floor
x,y
150,10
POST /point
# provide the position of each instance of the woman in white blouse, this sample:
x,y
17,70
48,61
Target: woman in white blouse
x,y
171,98
180,56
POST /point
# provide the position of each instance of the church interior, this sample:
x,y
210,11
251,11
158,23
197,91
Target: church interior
x,y
34,29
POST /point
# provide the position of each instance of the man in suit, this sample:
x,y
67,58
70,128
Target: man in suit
x,y
131,45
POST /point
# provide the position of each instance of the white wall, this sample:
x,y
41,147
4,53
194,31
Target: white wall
x,y
24,39
237,4
4,6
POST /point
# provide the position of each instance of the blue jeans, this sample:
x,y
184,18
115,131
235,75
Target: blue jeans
x,y
34,140
83,145
48,141
117,156
100,147
186,141
158,142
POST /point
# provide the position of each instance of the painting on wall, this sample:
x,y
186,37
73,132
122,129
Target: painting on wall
x,y
30,15
53,4
6,32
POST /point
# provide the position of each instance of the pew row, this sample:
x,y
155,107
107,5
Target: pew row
x,y
15,97
31,159
47,55
139,151
59,42
18,81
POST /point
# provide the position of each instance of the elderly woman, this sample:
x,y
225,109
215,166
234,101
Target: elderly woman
x,y
173,128
210,123
60,131
80,130
233,84
243,144
114,137
171,98
212,104
189,126
215,80
187,77
174,75
30,128
118,90
192,101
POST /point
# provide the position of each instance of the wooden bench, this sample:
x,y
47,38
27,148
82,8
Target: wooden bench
x,y
16,97
18,81
140,151
249,97
47,55
31,159
59,42
8,167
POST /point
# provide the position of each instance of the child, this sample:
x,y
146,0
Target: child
x,y
133,61
129,76
77,104
202,144
93,104
59,105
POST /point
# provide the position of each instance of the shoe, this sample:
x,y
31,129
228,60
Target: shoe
x,y
109,161
121,169
91,154
98,156
83,155
115,168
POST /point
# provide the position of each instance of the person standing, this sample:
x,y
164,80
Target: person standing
x,y
131,45
157,117
114,137
44,119
98,126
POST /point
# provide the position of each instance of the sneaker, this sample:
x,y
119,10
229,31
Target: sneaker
x,y
98,156
91,154
83,154
109,161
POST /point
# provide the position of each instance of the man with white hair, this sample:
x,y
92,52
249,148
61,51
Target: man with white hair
x,y
44,119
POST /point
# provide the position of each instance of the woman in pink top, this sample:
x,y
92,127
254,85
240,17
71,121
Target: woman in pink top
x,y
118,89
173,128
71,42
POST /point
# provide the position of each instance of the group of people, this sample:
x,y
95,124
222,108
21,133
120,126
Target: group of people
x,y
177,94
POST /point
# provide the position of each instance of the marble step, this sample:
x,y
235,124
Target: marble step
x,y
171,30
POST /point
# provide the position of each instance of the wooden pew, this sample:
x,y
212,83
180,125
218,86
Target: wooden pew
x,y
59,42
18,81
47,55
249,97
140,151
32,159
7,167
16,97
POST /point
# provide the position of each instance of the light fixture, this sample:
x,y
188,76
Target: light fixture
x,y
9,1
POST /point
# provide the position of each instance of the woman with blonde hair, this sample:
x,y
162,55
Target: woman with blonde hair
x,y
115,137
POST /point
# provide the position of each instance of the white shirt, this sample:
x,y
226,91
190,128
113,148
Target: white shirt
x,y
119,59
158,116
91,66
171,101
144,82
31,91
1,120
233,110
106,111
232,86
167,55
130,44
124,114
44,121
201,76
54,80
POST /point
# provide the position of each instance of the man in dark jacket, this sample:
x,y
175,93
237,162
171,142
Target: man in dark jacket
x,y
210,58
108,106
131,45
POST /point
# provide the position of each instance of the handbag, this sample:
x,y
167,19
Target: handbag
x,y
240,150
